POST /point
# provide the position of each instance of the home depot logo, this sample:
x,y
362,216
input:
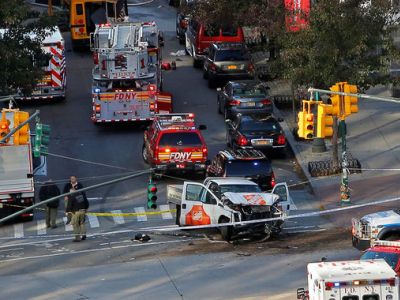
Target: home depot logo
x,y
180,156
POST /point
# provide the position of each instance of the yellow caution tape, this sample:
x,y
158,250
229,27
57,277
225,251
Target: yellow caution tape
x,y
106,214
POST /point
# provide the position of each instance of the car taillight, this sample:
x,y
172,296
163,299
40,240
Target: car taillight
x,y
213,67
273,182
183,23
234,102
97,108
250,67
242,141
281,139
266,102
152,106
205,150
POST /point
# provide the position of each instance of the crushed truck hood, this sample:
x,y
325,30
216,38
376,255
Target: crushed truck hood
x,y
383,218
252,198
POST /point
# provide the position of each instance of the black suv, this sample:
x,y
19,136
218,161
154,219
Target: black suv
x,y
243,96
256,131
250,164
227,61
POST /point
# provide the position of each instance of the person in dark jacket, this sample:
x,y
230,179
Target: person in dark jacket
x,y
77,206
75,185
49,190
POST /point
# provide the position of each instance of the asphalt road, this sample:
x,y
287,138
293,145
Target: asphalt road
x,y
30,248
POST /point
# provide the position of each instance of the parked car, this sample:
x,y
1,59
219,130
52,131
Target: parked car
x,y
249,164
198,38
245,97
226,61
256,131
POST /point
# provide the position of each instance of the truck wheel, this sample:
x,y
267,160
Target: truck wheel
x,y
178,215
145,154
226,231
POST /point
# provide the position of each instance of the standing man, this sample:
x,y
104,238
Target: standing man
x,y
73,184
49,190
77,206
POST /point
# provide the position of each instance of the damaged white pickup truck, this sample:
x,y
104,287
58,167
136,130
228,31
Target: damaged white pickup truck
x,y
214,203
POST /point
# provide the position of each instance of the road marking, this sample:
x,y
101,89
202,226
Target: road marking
x,y
298,227
118,219
18,231
141,218
308,230
69,226
41,227
101,249
166,215
93,221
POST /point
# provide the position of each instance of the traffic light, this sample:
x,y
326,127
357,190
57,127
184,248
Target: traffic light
x,y
306,121
300,123
350,103
309,126
21,136
4,127
42,139
324,121
335,99
151,195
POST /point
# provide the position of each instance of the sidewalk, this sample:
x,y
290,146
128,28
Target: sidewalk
x,y
373,137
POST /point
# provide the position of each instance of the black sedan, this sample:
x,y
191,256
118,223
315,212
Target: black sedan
x,y
256,131
243,96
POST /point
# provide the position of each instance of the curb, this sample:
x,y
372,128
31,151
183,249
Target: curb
x,y
142,3
292,144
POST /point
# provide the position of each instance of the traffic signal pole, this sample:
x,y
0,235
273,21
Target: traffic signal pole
x,y
345,111
3,140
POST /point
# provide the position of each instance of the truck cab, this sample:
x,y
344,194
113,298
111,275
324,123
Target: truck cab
x,y
202,204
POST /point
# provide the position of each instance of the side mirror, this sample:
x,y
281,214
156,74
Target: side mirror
x,y
280,120
202,127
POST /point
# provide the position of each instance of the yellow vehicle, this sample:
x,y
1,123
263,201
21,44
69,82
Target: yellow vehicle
x,y
85,14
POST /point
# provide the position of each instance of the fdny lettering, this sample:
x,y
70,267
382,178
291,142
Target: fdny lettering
x,y
180,156
124,96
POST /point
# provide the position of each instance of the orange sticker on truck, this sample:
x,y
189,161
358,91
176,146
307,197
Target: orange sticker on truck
x,y
197,216
255,199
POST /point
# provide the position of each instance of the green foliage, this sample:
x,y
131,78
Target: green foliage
x,y
21,57
347,40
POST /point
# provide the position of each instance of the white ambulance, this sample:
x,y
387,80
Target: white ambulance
x,y
351,280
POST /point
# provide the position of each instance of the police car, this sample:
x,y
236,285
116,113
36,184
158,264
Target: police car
x,y
173,142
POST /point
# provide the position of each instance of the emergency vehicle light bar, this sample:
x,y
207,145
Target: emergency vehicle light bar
x,y
385,243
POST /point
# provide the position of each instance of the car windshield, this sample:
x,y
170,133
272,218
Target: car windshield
x,y
258,125
180,139
390,258
231,55
248,167
240,188
249,91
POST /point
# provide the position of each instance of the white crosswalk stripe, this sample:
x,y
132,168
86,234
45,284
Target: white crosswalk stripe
x,y
118,219
93,221
69,226
140,210
41,227
18,231
166,215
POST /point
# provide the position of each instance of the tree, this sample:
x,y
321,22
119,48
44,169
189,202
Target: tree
x,y
21,56
347,40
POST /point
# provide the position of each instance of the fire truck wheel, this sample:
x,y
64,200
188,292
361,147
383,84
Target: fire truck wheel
x,y
145,154
226,231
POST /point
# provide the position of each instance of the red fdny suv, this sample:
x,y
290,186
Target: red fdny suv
x,y
173,143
